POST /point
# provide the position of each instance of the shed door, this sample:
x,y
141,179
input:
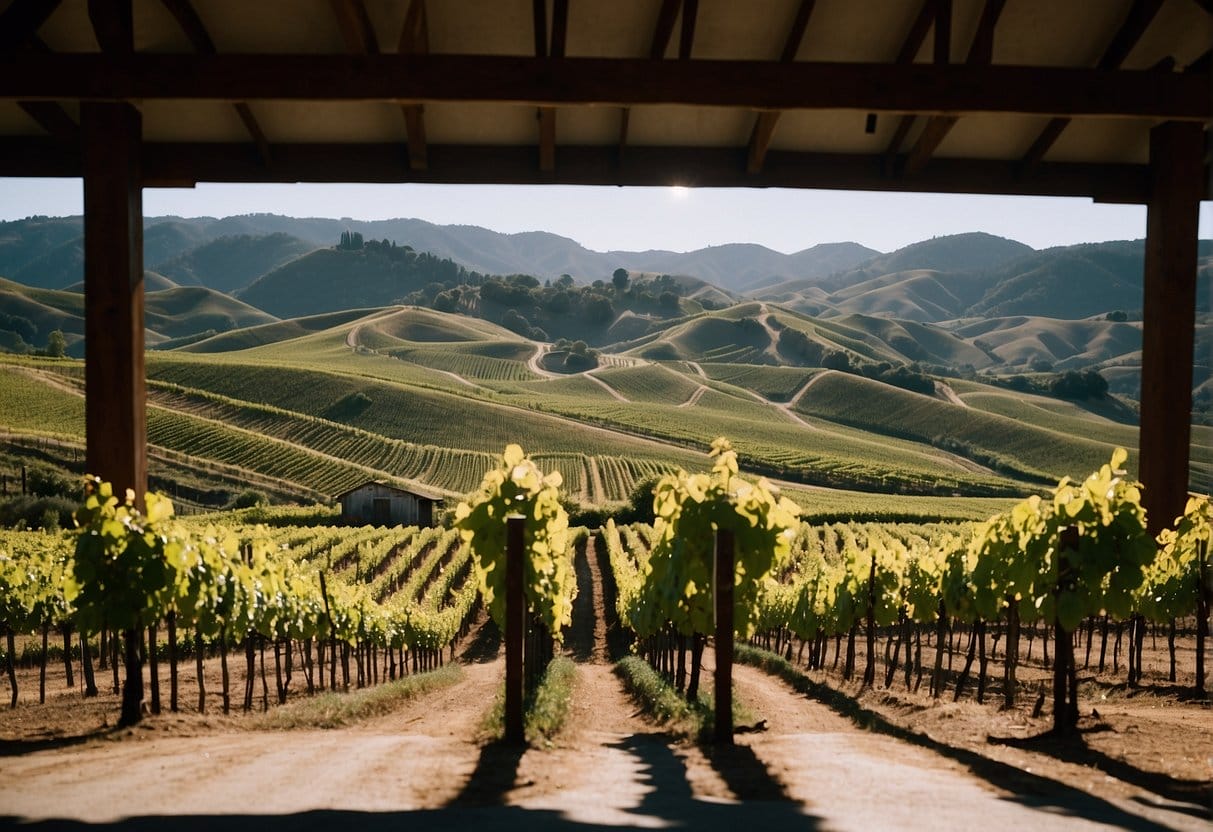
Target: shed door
x,y
381,513
426,511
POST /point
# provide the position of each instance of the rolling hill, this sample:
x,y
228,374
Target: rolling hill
x,y
169,313
230,263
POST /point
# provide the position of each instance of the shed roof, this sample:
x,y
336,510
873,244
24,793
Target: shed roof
x,y
999,96
415,492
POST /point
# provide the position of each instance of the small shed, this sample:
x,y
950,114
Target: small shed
x,y
382,504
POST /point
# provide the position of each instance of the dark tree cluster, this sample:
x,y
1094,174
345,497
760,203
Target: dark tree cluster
x,y
1071,384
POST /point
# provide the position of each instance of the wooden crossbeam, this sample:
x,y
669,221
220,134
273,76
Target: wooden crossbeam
x,y
415,40
196,33
764,123
22,19
1141,14
926,89
981,52
171,164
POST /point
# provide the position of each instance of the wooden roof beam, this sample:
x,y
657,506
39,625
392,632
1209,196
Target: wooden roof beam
x,y
555,49
52,118
18,30
22,19
1141,14
415,40
764,124
356,28
663,30
196,33
686,40
927,89
981,52
909,48
114,25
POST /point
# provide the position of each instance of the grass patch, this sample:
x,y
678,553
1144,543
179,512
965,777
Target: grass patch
x,y
544,712
659,699
334,710
547,712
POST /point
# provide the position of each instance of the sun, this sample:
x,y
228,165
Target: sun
x,y
679,192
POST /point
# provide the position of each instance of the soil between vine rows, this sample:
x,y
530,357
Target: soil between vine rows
x,y
429,761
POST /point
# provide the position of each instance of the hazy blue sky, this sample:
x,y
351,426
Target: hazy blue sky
x,y
604,218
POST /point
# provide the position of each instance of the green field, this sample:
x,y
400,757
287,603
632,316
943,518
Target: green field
x,y
419,397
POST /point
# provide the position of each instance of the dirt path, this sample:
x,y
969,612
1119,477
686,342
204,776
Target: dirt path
x,y
615,394
695,397
535,362
945,392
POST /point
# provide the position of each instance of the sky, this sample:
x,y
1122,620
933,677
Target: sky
x,y
635,219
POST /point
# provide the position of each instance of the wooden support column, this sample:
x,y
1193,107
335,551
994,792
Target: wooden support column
x,y
115,402
1169,308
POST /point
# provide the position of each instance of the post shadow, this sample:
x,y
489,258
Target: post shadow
x,y
1028,788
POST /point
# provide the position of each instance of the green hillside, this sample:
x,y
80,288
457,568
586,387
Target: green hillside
x,y
228,264
329,280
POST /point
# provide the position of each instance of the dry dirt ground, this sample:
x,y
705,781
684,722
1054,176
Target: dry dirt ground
x,y
831,759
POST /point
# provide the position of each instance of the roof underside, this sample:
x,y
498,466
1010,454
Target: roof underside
x,y
880,94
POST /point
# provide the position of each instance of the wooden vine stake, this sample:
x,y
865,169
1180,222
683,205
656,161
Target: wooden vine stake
x,y
724,637
515,629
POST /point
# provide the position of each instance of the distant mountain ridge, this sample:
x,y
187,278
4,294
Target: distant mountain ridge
x,y
48,251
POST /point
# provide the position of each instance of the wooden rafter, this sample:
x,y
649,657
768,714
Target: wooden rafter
x,y
928,89
196,33
555,48
415,40
686,40
18,30
943,31
765,122
909,48
663,31
114,25
22,19
1135,24
356,28
52,118
981,52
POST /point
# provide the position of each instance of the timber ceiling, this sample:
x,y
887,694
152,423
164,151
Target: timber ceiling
x,y
1000,96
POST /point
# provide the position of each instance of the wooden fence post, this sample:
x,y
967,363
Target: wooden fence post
x,y
515,629
724,637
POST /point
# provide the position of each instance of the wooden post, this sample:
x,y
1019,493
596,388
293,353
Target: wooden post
x,y
1169,314
515,629
724,637
115,412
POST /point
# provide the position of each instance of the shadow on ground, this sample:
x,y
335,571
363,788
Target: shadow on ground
x,y
667,802
1027,788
